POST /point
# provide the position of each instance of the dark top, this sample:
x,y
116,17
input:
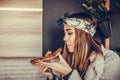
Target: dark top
x,y
103,31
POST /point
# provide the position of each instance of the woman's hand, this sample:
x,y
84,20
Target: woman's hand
x,y
44,72
61,67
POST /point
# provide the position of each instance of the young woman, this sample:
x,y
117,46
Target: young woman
x,y
83,58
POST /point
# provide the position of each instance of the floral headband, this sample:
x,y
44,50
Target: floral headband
x,y
78,23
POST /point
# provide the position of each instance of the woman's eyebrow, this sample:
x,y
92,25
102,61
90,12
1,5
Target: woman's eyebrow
x,y
68,29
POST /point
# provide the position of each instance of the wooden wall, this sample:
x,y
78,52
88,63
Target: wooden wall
x,y
20,28
18,69
20,39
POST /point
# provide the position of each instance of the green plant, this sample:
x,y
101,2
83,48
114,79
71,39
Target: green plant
x,y
117,50
98,9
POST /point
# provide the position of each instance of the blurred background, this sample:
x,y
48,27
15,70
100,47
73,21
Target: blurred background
x,y
54,9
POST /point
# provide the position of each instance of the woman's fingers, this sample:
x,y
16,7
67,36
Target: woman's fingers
x,y
50,65
45,69
42,68
47,74
58,67
45,64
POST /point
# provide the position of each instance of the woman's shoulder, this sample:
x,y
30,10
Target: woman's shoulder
x,y
112,65
108,52
95,57
110,55
95,68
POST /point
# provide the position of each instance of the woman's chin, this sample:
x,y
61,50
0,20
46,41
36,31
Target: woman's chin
x,y
70,50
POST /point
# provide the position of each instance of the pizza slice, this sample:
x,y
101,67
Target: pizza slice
x,y
49,57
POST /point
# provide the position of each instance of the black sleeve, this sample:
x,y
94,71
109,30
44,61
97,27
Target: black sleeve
x,y
54,77
67,76
105,28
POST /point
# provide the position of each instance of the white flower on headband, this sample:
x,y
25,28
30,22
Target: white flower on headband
x,y
81,24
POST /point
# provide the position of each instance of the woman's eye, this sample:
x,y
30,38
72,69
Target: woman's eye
x,y
70,33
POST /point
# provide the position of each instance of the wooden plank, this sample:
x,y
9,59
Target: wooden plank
x,y
13,40
21,3
19,17
18,69
20,22
20,45
20,34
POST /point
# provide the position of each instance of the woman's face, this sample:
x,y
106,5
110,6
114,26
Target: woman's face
x,y
69,37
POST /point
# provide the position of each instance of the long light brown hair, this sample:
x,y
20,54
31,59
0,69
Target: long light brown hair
x,y
85,46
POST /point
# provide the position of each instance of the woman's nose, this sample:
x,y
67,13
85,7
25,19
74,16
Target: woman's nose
x,y
65,38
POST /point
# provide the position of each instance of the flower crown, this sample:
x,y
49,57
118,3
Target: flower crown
x,y
78,23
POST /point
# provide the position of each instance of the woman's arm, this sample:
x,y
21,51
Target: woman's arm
x,y
107,43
